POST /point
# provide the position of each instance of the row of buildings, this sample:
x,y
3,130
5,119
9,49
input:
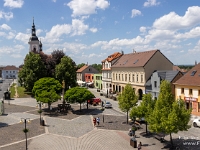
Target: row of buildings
x,y
144,71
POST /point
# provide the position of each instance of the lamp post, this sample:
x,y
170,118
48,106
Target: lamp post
x,y
25,130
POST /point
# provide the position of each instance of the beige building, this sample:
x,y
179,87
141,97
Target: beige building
x,y
188,89
137,68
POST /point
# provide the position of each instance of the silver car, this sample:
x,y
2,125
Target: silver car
x,y
108,105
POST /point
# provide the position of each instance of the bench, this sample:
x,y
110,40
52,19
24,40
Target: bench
x,y
159,137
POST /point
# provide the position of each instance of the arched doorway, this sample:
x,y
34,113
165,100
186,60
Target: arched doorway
x,y
140,93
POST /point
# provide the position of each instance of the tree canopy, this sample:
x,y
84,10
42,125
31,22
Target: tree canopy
x,y
66,70
144,109
32,70
127,99
47,90
78,94
169,116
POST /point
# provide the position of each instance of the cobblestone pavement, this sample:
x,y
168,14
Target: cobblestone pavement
x,y
72,131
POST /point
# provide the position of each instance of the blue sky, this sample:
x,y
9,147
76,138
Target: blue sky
x,y
90,30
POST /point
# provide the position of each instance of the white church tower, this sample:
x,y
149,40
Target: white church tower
x,y
34,44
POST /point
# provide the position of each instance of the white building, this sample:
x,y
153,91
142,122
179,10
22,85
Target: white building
x,y
10,72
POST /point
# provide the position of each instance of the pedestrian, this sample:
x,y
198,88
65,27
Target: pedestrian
x,y
94,121
98,120
140,146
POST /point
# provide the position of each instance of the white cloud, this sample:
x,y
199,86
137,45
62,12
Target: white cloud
x,y
135,13
78,27
5,15
94,30
5,27
10,35
143,29
87,7
13,3
22,37
173,21
149,3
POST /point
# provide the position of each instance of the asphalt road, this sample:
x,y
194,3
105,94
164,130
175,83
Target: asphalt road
x,y
4,86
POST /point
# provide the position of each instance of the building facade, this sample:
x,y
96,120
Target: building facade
x,y
188,89
10,72
98,81
136,69
107,72
80,73
153,84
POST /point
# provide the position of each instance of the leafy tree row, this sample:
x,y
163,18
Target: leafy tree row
x,y
164,115
39,65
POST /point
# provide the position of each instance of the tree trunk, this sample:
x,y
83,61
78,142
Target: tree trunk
x,y
146,127
171,140
127,118
80,106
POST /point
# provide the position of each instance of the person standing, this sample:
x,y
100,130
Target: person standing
x,y
140,146
94,121
98,120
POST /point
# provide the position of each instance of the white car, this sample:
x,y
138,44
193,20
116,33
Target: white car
x,y
108,105
196,123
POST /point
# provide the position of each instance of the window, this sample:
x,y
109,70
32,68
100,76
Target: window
x,y
137,78
113,76
125,77
193,72
133,78
122,77
88,77
6,71
129,77
13,71
89,69
10,71
119,77
182,90
199,95
116,76
155,84
190,91
141,78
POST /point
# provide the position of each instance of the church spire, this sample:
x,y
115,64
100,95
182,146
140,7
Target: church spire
x,y
33,29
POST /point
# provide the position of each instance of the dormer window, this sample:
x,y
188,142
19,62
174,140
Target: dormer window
x,y
193,72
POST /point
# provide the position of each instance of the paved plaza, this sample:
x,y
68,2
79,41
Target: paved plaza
x,y
67,131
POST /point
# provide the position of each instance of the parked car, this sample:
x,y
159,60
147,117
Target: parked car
x,y
108,105
94,101
196,122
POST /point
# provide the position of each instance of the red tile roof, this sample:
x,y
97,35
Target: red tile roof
x,y
191,78
82,68
10,68
112,57
135,59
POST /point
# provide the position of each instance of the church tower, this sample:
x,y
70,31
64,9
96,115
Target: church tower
x,y
34,44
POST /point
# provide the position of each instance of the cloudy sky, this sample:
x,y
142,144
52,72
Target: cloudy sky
x,y
90,30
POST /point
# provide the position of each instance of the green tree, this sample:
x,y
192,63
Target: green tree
x,y
32,70
47,90
66,71
144,109
78,94
169,116
127,99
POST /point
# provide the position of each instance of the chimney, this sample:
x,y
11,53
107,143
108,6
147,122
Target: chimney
x,y
134,51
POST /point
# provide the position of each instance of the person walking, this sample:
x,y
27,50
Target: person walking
x,y
94,121
98,120
140,146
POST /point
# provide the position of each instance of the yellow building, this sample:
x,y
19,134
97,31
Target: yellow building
x,y
188,89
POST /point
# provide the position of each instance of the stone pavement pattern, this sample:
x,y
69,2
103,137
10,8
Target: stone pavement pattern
x,y
62,134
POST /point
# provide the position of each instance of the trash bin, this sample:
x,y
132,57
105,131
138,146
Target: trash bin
x,y
133,142
42,122
7,95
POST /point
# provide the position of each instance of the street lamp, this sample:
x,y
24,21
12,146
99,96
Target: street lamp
x,y
25,130
40,104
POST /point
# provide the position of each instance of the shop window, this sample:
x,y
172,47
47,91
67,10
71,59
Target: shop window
x,y
182,90
190,91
